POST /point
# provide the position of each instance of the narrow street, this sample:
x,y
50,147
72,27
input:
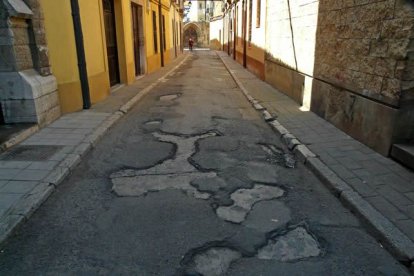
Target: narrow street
x,y
192,181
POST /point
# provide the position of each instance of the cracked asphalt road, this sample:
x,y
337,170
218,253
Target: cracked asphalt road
x,y
193,182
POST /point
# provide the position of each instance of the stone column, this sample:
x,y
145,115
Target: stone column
x,y
37,37
28,90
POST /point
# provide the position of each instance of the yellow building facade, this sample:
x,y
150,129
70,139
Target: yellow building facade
x,y
122,39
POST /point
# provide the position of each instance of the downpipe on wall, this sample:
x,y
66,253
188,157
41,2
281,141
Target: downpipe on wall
x,y
80,52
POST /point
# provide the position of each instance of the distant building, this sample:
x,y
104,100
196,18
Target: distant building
x,y
197,22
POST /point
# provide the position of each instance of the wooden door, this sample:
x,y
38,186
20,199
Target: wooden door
x,y
111,45
136,33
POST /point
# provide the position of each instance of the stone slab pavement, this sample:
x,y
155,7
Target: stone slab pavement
x,y
27,181
382,182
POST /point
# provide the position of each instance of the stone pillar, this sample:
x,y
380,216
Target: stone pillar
x,y
28,90
38,41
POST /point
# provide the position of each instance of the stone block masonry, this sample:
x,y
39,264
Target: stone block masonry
x,y
350,62
28,91
366,45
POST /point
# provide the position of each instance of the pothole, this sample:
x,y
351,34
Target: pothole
x,y
294,245
244,199
175,173
278,156
169,97
215,261
268,216
155,122
262,172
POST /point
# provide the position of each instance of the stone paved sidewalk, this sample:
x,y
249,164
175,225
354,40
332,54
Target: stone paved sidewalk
x,y
386,185
31,171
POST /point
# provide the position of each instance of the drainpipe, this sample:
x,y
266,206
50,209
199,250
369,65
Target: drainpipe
x,y
161,33
80,51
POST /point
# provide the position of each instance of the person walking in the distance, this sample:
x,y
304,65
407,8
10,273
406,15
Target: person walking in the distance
x,y
190,43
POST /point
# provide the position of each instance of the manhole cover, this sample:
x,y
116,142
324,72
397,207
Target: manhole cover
x,y
30,153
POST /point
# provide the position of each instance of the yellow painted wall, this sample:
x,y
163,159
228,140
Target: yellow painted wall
x,y
125,40
62,51
153,59
167,50
173,15
61,40
95,49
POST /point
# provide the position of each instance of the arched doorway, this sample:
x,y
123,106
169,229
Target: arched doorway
x,y
191,33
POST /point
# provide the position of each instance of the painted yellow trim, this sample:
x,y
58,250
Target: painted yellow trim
x,y
70,97
102,22
62,52
99,87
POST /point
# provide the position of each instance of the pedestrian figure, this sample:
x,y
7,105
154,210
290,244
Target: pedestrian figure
x,y
190,43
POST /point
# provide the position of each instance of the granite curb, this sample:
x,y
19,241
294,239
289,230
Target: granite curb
x,y
380,227
19,214
19,138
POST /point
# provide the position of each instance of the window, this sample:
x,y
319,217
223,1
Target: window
x,y
250,20
164,42
259,6
154,26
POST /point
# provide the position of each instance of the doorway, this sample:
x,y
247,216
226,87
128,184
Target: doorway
x,y
111,43
190,32
138,33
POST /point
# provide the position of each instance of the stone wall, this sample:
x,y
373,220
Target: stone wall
x,y
38,40
349,61
28,91
366,45
202,30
